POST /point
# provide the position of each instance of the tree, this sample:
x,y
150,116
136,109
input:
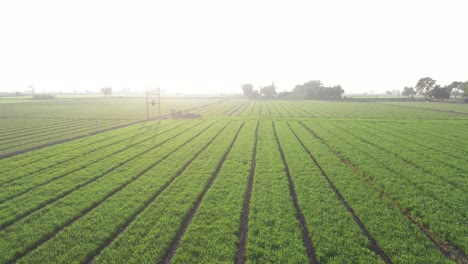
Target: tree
x,y
456,88
439,92
247,89
424,86
388,92
408,91
314,90
309,90
334,92
465,89
106,90
268,91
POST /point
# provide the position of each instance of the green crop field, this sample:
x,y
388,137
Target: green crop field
x,y
26,124
257,181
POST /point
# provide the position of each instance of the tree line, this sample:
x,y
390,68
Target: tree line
x,y
311,90
428,88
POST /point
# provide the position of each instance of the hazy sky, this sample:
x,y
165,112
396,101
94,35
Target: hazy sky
x,y
215,46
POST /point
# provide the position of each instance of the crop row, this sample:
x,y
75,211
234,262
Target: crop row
x,y
32,162
39,197
433,201
400,239
335,234
48,122
212,235
41,136
40,226
429,161
405,133
402,184
20,183
274,234
154,233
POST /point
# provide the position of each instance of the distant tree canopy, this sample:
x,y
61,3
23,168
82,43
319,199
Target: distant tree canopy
x,y
424,86
314,90
439,92
456,88
247,89
465,89
106,90
429,89
408,91
268,91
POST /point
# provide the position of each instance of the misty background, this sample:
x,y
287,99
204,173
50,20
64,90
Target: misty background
x,y
215,46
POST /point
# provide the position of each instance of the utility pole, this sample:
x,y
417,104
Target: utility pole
x,y
147,112
153,97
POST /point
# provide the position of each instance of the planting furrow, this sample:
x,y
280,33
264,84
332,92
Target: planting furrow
x,y
384,191
235,111
148,237
251,109
446,249
241,112
244,224
274,232
416,154
399,238
23,184
407,133
68,138
70,162
21,206
430,109
418,142
211,236
57,219
174,245
24,131
29,135
428,184
374,246
283,106
427,164
299,110
299,215
276,109
441,212
268,108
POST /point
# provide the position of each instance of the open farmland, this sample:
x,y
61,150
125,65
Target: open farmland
x,y
250,181
26,124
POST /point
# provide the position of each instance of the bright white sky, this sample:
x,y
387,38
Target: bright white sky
x,y
215,46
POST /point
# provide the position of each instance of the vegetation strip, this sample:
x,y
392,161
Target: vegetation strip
x,y
55,157
438,206
18,216
417,147
175,243
114,236
160,222
56,230
299,216
244,225
398,155
251,109
429,109
11,154
4,196
446,248
373,242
